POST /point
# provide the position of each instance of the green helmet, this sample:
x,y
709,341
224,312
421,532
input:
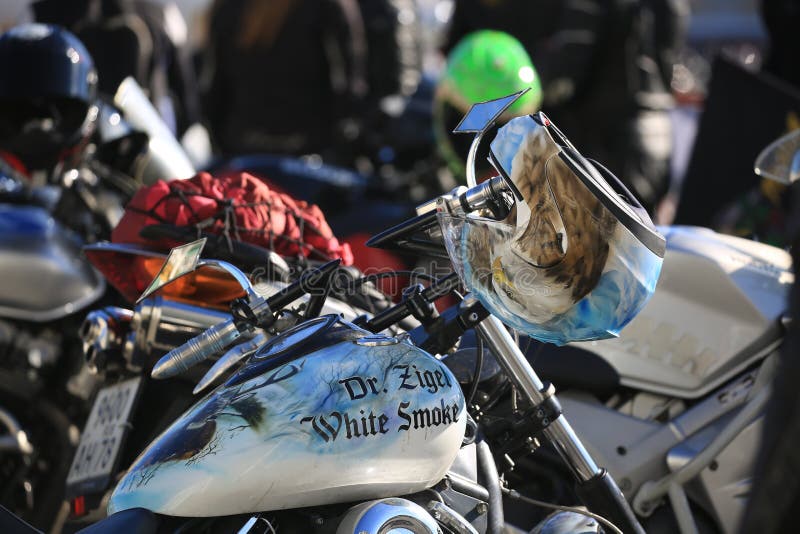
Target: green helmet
x,y
484,65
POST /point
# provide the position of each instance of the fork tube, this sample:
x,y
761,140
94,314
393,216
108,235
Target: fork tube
x,y
595,487
516,366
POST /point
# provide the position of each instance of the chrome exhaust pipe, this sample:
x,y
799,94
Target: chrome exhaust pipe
x,y
103,330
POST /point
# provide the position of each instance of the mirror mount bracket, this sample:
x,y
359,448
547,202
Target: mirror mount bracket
x,y
478,120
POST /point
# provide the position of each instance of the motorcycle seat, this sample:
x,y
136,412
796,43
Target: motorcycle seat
x,y
131,521
572,367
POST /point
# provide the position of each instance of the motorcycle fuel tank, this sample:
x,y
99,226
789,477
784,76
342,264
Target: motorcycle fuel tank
x,y
714,312
44,274
324,413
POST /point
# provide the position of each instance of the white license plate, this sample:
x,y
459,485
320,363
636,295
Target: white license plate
x,y
102,437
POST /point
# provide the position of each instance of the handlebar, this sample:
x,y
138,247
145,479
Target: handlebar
x,y
257,311
196,350
400,311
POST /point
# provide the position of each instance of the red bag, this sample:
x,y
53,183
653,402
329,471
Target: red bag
x,y
243,206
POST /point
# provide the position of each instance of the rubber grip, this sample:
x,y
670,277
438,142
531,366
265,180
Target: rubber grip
x,y
196,350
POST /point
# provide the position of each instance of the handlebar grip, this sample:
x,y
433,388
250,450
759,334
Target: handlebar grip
x,y
196,350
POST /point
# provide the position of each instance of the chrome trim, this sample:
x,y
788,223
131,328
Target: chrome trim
x,y
384,515
102,330
156,316
517,368
235,272
473,153
182,314
229,359
377,340
450,518
257,524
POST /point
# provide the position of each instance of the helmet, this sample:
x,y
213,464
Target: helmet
x,y
576,258
484,65
47,97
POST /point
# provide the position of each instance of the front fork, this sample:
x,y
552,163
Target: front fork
x,y
595,486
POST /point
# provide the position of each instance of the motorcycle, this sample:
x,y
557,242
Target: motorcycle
x,y
120,343
48,286
675,405
383,423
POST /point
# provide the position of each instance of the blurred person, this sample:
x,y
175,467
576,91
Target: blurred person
x,y
146,39
393,54
782,19
50,117
390,119
285,76
606,69
774,496
58,131
724,194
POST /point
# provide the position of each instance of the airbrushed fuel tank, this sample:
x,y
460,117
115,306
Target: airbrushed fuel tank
x,y
324,413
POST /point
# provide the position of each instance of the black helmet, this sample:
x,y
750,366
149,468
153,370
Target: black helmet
x,y
48,88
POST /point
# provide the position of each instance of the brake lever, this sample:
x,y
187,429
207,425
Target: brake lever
x,y
400,237
488,196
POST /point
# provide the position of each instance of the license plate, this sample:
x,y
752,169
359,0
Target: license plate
x,y
101,440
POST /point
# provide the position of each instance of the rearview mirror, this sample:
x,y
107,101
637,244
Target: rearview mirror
x,y
185,259
181,261
780,161
478,120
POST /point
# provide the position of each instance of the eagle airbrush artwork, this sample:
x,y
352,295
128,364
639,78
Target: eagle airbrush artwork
x,y
560,266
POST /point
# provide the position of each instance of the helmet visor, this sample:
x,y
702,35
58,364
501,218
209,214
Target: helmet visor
x,y
572,261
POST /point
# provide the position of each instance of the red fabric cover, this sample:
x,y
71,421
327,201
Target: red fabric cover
x,y
262,216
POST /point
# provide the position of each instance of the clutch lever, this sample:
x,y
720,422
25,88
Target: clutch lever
x,y
401,236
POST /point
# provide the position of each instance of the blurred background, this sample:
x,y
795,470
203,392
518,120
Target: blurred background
x,y
393,56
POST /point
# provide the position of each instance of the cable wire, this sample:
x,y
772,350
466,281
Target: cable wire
x,y
514,494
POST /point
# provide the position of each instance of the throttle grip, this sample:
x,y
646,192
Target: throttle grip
x,y
196,350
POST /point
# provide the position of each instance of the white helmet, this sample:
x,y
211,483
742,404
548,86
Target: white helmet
x,y
575,259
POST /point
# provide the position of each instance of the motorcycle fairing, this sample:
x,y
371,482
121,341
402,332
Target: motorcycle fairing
x,y
366,416
716,310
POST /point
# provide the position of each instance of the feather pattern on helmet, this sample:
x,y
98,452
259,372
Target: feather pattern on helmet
x,y
560,233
